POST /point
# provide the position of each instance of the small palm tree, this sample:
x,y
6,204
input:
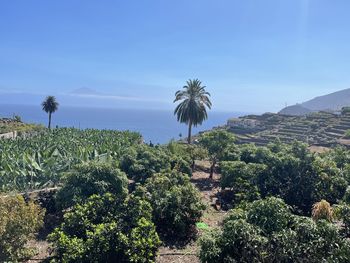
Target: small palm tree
x,y
192,109
50,105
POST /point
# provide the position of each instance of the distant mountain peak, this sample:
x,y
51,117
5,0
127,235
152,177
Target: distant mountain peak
x,y
85,91
330,102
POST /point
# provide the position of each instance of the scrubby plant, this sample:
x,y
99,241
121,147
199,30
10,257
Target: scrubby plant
x,y
342,213
176,203
142,162
291,172
241,179
347,134
88,179
107,228
271,214
19,221
266,231
238,241
346,197
322,210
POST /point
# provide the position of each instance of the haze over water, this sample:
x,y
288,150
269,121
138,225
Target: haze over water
x,y
158,126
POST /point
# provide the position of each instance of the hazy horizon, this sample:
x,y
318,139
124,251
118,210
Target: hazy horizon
x,y
252,56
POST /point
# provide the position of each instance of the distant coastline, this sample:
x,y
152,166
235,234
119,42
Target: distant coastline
x,y
158,126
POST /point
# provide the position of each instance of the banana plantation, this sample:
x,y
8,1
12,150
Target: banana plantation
x,y
40,161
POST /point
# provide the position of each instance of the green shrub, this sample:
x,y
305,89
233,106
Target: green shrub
x,y
346,197
241,178
107,229
19,222
330,184
291,172
181,165
347,134
271,214
239,241
342,213
89,179
176,203
267,232
216,142
144,162
306,241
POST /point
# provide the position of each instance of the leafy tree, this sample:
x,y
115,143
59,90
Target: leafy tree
x,y
88,179
330,184
188,152
292,172
270,215
215,142
196,152
192,108
241,178
268,232
238,241
50,105
176,203
107,228
19,221
142,162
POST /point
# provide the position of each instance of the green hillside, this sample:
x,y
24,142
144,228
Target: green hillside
x,y
318,129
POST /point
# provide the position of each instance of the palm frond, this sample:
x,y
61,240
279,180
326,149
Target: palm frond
x,y
194,103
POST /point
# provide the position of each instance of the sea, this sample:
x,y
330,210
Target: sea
x,y
156,126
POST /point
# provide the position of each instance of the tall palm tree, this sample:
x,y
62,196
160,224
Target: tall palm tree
x,y
192,109
50,105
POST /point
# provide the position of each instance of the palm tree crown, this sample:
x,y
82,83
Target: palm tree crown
x,y
50,105
192,109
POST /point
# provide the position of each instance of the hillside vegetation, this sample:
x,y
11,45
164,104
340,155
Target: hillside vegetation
x,y
331,102
119,200
318,129
11,125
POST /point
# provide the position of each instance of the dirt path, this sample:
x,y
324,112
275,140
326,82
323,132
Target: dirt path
x,y
212,217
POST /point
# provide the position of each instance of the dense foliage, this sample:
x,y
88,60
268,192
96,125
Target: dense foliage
x,y
19,222
117,195
216,142
141,162
27,163
107,228
91,178
176,203
108,224
292,172
267,231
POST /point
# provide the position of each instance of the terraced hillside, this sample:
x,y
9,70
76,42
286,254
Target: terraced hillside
x,y
318,129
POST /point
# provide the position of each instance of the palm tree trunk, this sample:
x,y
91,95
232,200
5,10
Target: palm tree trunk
x,y
189,132
49,120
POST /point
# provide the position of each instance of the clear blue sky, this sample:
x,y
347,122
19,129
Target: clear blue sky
x,y
252,55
